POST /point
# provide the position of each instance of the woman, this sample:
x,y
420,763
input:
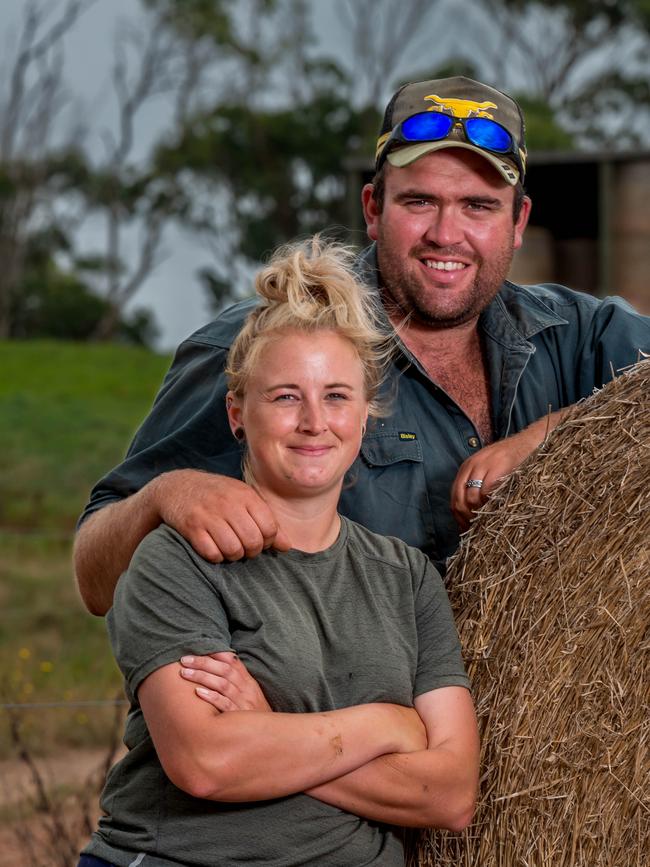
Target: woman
x,y
338,705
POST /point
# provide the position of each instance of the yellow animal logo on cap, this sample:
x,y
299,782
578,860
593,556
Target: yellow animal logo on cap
x,y
461,107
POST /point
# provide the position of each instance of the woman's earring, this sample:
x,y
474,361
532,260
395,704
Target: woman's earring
x,y
239,434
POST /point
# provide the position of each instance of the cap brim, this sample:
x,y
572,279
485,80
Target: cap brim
x,y
406,155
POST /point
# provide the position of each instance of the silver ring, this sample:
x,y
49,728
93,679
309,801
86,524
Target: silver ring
x,y
474,483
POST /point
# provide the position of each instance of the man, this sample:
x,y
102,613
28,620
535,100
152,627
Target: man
x,y
482,372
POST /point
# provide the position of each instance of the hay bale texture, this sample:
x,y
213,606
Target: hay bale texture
x,y
551,591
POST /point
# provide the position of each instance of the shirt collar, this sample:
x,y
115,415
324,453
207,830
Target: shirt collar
x,y
516,314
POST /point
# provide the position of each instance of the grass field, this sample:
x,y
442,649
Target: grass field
x,y
67,414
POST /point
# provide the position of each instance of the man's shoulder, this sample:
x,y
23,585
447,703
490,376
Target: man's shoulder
x,y
550,295
222,330
536,307
558,298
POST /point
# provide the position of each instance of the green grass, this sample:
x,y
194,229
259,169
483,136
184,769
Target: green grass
x,y
51,649
67,414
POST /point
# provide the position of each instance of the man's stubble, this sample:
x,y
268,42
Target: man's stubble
x,y
415,300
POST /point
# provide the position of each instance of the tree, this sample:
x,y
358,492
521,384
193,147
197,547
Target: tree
x,y
51,301
128,194
261,119
587,60
399,30
34,168
270,151
50,188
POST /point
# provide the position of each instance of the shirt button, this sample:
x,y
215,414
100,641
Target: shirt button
x,y
474,442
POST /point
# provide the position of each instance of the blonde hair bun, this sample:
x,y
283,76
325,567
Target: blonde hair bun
x,y
311,286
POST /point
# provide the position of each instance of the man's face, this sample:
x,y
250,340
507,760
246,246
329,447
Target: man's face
x,y
446,235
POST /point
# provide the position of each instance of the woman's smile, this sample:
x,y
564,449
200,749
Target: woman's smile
x,y
303,413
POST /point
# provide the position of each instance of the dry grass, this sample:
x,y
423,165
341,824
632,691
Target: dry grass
x,y
552,595
49,807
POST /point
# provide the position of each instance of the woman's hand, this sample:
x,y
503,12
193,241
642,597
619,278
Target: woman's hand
x,y
224,682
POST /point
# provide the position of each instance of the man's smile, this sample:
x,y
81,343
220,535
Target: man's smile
x,y
438,265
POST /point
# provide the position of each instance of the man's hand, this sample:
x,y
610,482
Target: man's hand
x,y
493,463
223,681
221,518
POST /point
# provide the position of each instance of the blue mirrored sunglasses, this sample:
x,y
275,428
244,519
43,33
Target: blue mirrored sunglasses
x,y
435,126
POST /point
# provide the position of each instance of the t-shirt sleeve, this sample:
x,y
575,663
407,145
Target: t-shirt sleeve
x,y
440,661
166,605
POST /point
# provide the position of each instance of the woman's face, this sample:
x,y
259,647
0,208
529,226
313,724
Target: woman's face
x,y
303,412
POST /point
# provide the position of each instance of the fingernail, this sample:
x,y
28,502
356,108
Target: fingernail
x,y
187,660
187,672
201,691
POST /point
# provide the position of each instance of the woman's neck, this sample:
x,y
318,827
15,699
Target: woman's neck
x,y
311,523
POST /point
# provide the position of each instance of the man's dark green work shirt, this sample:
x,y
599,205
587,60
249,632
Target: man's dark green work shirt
x,y
546,347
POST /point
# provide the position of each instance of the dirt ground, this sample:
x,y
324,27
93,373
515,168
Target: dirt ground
x,y
49,835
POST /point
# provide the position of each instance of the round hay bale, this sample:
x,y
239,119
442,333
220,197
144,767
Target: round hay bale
x,y
552,598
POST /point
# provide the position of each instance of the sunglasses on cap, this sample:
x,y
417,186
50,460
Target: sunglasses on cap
x,y
434,126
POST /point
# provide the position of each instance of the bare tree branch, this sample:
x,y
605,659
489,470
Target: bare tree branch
x,y
379,49
152,78
55,34
34,96
194,59
15,103
47,101
148,258
32,48
544,50
156,56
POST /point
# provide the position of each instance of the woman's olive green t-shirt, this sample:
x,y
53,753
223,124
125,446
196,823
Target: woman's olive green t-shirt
x,y
366,620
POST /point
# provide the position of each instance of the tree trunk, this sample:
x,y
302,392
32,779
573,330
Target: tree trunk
x,y
106,328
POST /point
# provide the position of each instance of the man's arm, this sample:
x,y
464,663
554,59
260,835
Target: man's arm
x,y
187,427
602,337
492,463
251,755
222,518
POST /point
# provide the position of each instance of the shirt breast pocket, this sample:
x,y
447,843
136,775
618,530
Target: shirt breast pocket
x,y
388,447
387,491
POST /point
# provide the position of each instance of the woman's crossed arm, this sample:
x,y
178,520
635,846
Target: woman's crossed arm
x,y
433,784
248,755
434,787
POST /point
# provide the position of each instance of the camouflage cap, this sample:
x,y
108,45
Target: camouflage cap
x,y
461,98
